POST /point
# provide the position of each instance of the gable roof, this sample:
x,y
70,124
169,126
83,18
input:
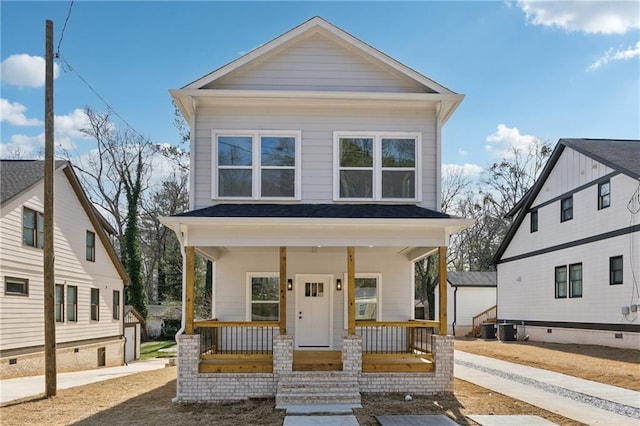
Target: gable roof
x,y
622,155
471,279
316,24
185,97
18,176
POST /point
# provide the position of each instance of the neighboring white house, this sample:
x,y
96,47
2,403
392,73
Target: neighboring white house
x,y
470,294
569,266
315,186
89,278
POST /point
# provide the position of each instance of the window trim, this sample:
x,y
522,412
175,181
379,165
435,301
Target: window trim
x,y
256,163
533,223
345,290
93,247
562,209
250,276
115,304
570,280
23,281
74,306
377,164
38,216
556,282
601,205
91,304
612,280
61,304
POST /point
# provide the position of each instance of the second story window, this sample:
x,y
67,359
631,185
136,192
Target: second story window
x,y
534,220
376,166
91,246
566,209
256,165
604,195
32,228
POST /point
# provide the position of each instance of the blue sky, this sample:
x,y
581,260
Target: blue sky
x,y
527,69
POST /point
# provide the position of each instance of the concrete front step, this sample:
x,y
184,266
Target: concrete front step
x,y
317,388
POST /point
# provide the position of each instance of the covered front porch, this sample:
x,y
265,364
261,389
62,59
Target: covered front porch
x,y
333,314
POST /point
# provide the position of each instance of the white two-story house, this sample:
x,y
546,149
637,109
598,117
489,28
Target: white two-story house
x,y
315,186
569,266
89,278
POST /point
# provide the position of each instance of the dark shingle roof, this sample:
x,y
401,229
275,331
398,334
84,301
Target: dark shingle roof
x,y
357,211
471,279
621,155
16,176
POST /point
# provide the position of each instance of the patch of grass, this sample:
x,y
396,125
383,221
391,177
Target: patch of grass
x,y
151,349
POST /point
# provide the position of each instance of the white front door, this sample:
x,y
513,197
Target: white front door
x,y
313,311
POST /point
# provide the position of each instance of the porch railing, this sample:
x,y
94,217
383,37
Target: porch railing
x,y
488,315
236,337
384,337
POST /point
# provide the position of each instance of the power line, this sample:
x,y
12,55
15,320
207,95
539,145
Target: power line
x,y
64,27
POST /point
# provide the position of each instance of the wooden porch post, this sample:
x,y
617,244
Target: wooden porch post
x,y
283,291
189,288
442,288
351,288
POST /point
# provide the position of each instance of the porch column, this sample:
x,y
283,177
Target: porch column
x,y
442,289
189,286
351,289
283,291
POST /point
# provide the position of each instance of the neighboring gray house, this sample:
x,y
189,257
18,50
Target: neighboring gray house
x,y
89,278
315,187
568,268
470,294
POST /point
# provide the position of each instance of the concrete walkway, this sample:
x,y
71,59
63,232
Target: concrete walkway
x,y
578,399
25,387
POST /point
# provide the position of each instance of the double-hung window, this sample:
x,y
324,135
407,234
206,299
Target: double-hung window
x,y
368,294
534,220
256,164
95,304
604,195
561,282
615,270
116,305
72,303
91,246
575,280
566,209
264,300
59,305
376,166
32,228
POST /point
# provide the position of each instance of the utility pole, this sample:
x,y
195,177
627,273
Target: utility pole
x,y
49,276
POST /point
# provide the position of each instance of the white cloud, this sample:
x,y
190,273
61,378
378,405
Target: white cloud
x,y
596,17
13,113
23,147
505,140
616,55
462,152
25,71
466,170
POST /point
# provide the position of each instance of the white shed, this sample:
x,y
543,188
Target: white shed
x,y
132,329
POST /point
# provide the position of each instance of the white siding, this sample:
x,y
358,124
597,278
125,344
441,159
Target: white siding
x,y
231,298
317,125
317,63
587,219
21,318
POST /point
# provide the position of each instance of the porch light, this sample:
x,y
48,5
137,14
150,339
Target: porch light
x,y
289,284
339,284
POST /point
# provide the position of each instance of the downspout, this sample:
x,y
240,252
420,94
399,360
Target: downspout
x,y
439,112
192,152
455,306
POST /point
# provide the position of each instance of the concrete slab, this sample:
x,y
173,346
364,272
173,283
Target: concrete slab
x,y
320,421
416,420
499,420
318,408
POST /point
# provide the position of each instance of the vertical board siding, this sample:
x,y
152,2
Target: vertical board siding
x,y
21,318
317,126
317,63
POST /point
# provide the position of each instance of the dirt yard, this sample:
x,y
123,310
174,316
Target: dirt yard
x,y
145,398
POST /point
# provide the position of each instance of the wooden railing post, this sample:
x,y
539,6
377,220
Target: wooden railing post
x,y
283,291
351,289
442,289
190,265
